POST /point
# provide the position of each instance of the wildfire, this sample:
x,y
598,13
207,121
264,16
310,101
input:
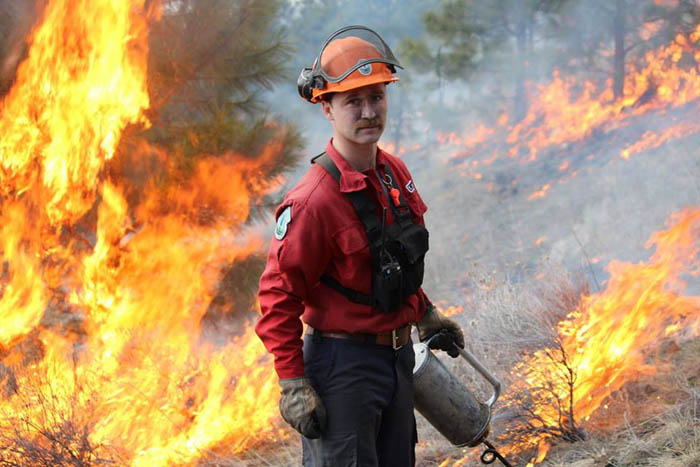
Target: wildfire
x,y
135,370
567,110
611,339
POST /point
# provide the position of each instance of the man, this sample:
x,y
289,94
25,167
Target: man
x,y
347,258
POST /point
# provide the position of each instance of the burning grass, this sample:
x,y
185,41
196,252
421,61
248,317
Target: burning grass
x,y
654,422
579,352
56,433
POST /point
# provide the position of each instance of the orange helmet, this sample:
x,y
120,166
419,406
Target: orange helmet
x,y
352,57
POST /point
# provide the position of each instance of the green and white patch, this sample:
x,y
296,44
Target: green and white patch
x,y
283,222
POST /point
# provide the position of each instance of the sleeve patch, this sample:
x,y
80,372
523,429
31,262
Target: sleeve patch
x,y
283,223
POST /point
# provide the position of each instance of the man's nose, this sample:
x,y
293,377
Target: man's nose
x,y
368,110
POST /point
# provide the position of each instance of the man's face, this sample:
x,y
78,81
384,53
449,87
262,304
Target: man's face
x,y
358,115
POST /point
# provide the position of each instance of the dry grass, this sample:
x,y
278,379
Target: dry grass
x,y
671,439
651,422
656,424
500,323
57,433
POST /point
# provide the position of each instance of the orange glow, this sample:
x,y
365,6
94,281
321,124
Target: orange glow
x,y
449,310
652,140
135,371
649,30
667,3
540,193
67,76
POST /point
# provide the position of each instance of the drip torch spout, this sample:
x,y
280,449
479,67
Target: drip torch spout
x,y
490,455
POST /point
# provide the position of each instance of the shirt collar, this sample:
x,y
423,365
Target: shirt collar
x,y
351,179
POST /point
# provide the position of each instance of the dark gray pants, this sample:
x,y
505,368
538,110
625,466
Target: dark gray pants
x,y
368,392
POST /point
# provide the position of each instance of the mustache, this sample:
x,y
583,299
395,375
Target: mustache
x,y
369,123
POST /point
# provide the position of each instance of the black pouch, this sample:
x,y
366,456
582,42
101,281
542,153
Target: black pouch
x,y
414,243
387,284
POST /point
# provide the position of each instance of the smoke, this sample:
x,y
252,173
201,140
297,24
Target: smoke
x,y
578,204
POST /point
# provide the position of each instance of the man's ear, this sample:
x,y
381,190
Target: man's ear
x,y
327,109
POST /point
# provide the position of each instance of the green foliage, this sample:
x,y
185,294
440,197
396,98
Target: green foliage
x,y
463,35
209,62
463,32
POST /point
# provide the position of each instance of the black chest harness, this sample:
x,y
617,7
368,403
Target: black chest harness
x,y
397,250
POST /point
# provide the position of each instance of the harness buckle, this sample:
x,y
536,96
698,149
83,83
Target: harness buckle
x,y
394,340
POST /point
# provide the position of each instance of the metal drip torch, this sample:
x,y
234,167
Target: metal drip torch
x,y
449,406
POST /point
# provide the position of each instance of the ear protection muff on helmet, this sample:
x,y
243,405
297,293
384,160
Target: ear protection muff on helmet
x,y
348,49
307,82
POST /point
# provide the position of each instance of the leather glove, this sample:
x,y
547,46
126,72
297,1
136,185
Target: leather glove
x,y
301,407
433,322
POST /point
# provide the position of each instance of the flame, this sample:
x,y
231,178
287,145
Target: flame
x,y
135,372
567,110
67,76
448,310
541,193
610,339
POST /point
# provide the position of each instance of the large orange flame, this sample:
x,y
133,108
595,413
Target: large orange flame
x,y
610,340
81,84
135,372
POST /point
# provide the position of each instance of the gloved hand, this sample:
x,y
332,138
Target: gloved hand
x,y
433,322
301,407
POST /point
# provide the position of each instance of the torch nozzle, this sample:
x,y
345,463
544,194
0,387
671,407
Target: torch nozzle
x,y
490,455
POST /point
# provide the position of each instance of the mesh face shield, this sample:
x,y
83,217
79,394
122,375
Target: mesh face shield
x,y
350,49
351,57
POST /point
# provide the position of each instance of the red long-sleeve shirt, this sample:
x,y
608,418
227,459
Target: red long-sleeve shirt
x,y
325,236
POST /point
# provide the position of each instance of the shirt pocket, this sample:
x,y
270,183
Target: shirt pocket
x,y
351,239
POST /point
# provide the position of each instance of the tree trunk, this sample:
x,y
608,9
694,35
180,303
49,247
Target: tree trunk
x,y
620,27
520,104
438,71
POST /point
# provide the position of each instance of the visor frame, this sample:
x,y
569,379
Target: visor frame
x,y
390,59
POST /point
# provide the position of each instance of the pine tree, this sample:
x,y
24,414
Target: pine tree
x,y
462,32
210,64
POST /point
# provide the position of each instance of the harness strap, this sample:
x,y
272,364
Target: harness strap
x,y
364,208
352,295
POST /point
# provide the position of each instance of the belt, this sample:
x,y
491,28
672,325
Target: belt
x,y
396,338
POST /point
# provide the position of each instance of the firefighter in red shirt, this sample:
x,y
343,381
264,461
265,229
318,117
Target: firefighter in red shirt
x,y
347,259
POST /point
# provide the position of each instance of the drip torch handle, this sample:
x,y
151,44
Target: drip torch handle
x,y
476,364
468,356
